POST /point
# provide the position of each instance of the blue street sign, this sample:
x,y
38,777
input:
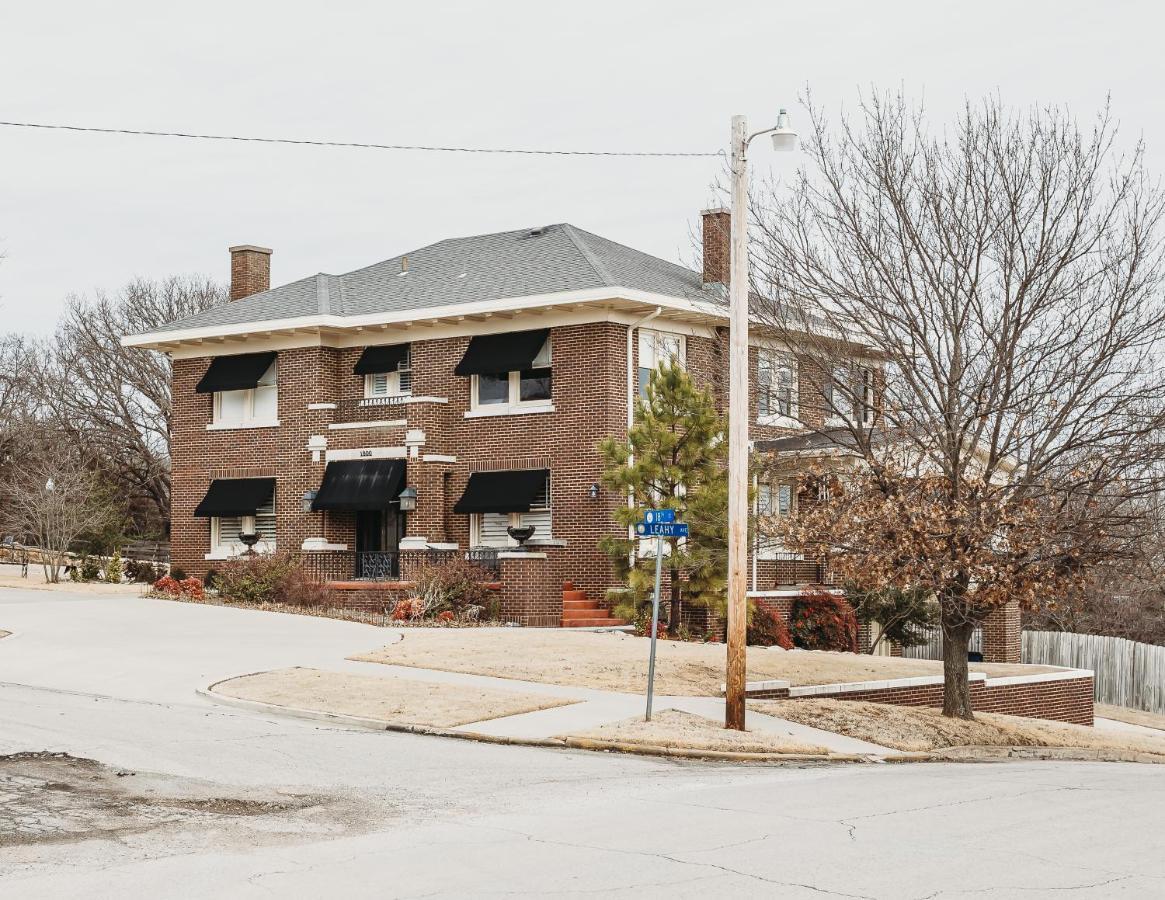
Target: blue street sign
x,y
659,516
664,529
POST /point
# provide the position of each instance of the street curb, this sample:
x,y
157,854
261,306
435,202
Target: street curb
x,y
207,691
976,754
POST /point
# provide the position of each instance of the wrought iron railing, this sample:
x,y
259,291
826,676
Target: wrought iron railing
x,y
385,565
367,409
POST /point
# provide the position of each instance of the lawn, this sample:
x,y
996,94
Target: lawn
x,y
917,728
680,730
390,700
1131,716
618,662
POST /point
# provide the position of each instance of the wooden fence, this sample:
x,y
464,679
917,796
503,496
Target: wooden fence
x,y
1127,673
933,648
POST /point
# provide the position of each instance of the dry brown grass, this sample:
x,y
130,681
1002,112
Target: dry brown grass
x,y
916,728
618,662
680,730
391,700
1131,716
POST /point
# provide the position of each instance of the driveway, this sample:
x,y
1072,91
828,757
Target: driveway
x,y
233,803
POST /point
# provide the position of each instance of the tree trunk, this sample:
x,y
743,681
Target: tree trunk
x,y
673,607
956,686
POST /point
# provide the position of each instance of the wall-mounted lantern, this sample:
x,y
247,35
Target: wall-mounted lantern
x,y
408,499
308,498
593,491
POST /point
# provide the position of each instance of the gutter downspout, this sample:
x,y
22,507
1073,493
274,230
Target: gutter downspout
x,y
631,329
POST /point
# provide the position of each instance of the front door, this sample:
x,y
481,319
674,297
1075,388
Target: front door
x,y
378,533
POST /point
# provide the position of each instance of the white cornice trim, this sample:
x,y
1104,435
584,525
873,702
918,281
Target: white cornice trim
x,y
458,312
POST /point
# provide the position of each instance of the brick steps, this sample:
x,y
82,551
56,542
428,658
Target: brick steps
x,y
579,611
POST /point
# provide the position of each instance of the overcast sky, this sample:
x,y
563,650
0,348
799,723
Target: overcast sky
x,y
84,212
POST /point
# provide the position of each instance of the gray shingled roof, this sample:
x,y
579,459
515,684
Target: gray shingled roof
x,y
523,263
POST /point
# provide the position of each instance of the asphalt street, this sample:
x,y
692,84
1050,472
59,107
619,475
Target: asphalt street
x,y
187,798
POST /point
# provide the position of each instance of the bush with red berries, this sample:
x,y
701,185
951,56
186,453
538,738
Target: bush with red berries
x,y
823,620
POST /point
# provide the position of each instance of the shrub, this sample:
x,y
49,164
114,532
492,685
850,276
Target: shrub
x,y
454,586
642,624
822,620
90,568
168,586
297,589
255,579
114,569
767,629
177,573
406,608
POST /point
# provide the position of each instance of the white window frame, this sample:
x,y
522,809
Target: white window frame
x,y
249,419
650,343
784,497
774,362
513,402
844,373
391,384
221,550
868,409
516,520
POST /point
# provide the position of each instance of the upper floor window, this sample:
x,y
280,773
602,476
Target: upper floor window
x,y
849,396
530,385
776,384
397,383
387,370
258,405
656,347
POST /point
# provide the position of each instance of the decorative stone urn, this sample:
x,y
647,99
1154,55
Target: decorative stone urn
x,y
521,534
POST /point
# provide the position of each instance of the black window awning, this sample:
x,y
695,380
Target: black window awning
x,y
502,492
490,354
381,359
235,497
355,484
235,373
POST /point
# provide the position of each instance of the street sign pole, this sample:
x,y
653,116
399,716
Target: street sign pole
x,y
654,624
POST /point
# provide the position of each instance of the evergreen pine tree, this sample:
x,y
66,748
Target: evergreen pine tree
x,y
674,457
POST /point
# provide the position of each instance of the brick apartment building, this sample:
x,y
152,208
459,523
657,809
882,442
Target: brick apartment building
x,y
429,401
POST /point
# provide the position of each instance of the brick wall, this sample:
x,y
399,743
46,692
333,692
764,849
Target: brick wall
x,y
531,588
1002,635
1054,697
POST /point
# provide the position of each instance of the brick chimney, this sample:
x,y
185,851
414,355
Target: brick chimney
x,y
250,270
717,244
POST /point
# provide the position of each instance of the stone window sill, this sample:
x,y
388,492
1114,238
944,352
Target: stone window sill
x,y
239,426
778,421
505,409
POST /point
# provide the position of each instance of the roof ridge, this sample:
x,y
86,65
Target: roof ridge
x,y
591,258
323,300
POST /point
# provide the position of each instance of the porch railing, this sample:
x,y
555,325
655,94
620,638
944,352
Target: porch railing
x,y
384,565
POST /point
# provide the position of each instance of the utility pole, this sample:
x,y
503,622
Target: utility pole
x,y
784,138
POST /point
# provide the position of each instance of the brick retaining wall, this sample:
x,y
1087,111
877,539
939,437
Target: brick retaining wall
x,y
1062,696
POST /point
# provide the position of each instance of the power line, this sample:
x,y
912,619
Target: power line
x,y
354,144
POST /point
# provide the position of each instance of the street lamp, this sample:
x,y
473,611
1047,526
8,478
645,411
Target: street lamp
x,y
784,139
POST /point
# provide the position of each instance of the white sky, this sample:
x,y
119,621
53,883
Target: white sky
x,y
82,212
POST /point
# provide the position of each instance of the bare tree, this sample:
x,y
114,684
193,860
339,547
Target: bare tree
x,y
979,315
55,495
115,400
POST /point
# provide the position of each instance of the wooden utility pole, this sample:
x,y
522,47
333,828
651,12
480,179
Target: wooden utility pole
x,y
737,432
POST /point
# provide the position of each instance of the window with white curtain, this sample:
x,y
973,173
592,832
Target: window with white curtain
x,y
254,406
657,347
